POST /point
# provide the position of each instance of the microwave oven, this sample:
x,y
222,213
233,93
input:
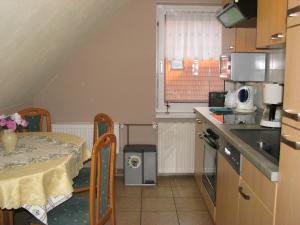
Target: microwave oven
x,y
243,66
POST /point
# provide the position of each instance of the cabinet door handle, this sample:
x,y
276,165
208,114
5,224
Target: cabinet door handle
x,y
277,36
230,47
292,115
198,121
201,136
294,144
245,196
293,12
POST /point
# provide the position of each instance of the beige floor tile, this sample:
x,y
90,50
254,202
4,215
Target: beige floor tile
x,y
183,181
164,181
187,204
186,191
158,204
194,218
157,192
127,218
159,218
128,204
128,191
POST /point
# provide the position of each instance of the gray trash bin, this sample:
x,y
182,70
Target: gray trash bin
x,y
140,163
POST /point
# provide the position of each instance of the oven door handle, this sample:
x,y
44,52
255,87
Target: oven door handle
x,y
209,141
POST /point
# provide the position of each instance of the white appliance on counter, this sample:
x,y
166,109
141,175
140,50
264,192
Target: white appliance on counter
x,y
243,66
272,98
245,96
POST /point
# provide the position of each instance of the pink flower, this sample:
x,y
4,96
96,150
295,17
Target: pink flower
x,y
24,123
11,125
2,122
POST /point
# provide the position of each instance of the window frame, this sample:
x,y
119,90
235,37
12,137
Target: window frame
x,y
186,108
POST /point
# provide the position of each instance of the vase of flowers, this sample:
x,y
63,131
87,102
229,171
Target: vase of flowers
x,y
8,126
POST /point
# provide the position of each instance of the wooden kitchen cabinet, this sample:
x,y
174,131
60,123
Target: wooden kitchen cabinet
x,y
271,23
293,3
291,103
251,209
238,40
257,197
288,200
199,150
227,193
293,15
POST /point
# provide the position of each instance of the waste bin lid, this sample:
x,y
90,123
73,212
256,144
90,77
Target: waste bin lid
x,y
140,148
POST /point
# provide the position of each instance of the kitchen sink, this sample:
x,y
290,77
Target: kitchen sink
x,y
265,141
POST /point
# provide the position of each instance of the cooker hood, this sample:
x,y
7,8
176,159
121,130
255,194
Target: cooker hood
x,y
240,13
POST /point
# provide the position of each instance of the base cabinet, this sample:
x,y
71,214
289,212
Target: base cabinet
x,y
251,210
199,149
257,196
227,193
288,200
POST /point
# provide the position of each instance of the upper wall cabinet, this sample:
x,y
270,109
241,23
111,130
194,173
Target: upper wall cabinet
x,y
293,13
238,40
271,23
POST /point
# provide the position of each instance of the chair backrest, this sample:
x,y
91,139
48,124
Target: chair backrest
x,y
102,124
35,118
102,201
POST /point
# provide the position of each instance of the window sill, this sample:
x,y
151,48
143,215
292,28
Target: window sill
x,y
175,115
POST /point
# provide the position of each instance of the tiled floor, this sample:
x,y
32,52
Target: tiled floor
x,y
174,201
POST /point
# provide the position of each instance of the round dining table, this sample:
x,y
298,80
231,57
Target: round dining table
x,y
39,174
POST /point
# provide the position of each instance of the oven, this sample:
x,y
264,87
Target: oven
x,y
212,142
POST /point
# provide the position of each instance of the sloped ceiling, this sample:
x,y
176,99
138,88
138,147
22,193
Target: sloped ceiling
x,y
36,38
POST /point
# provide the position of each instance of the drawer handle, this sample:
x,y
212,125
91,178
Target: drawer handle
x,y
198,121
230,47
293,12
294,144
245,196
292,115
277,36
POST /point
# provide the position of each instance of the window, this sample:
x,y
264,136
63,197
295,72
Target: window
x,y
188,50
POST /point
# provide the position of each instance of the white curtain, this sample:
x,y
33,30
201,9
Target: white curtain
x,y
192,35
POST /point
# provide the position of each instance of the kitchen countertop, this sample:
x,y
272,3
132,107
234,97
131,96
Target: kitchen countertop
x,y
269,169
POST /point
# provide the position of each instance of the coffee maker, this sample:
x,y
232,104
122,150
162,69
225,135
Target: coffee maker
x,y
272,98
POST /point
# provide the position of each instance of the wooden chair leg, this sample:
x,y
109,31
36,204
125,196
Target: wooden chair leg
x,y
6,217
113,217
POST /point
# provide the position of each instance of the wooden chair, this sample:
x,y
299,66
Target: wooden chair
x,y
102,124
35,118
100,206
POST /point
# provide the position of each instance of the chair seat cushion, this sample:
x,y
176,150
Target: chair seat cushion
x,y
71,212
83,178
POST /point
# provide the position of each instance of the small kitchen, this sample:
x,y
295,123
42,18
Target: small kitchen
x,y
246,158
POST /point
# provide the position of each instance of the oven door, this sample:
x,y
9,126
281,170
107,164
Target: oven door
x,y
209,176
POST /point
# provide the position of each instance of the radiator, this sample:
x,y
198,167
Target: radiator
x,y
176,147
84,130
